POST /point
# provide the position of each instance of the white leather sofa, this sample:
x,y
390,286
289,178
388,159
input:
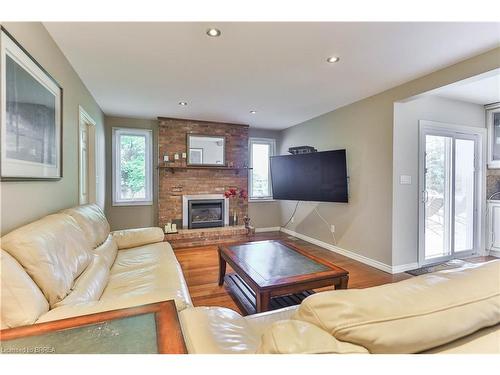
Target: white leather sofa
x,y
455,311
69,264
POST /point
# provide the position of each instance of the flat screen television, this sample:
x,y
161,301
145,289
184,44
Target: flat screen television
x,y
317,176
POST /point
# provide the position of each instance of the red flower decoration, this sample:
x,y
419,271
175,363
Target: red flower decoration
x,y
233,192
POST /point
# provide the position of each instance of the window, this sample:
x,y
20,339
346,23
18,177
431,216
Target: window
x,y
132,167
261,149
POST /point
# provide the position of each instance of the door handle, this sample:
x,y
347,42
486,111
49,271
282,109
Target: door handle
x,y
425,196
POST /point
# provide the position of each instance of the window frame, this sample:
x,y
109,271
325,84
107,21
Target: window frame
x,y
271,142
116,170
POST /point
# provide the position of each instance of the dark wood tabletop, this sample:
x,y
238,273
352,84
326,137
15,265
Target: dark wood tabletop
x,y
273,268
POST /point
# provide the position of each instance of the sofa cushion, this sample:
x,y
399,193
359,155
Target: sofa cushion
x,y
92,221
149,271
128,238
54,252
90,284
217,330
484,341
107,251
298,337
412,315
22,302
261,322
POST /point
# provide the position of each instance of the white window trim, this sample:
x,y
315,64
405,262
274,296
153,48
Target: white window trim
x,y
490,112
272,143
116,200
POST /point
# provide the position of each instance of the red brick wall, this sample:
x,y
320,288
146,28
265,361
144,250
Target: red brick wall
x,y
172,137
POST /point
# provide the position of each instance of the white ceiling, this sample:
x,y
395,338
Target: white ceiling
x,y
482,89
278,69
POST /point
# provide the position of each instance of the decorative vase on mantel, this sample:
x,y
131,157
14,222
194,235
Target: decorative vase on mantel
x,y
234,194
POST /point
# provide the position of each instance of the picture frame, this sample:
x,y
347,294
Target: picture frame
x,y
31,116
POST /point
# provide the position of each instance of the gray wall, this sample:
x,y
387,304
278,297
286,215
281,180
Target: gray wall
x,y
365,129
265,214
405,151
125,217
23,202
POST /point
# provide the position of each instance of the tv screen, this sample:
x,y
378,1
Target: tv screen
x,y
317,176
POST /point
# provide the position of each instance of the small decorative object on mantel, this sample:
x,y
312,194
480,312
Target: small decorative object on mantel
x,y
31,108
233,193
249,229
170,228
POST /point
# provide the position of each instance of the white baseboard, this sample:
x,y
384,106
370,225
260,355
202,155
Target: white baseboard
x,y
494,253
404,267
360,258
268,229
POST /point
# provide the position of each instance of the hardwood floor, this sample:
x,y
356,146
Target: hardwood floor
x,y
200,266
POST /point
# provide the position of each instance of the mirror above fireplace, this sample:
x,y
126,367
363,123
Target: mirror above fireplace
x,y
206,150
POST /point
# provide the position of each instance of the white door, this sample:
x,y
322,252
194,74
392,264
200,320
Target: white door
x,y
450,187
494,226
84,164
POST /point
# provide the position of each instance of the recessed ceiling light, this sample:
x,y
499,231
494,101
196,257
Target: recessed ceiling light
x,y
253,112
183,103
333,59
213,32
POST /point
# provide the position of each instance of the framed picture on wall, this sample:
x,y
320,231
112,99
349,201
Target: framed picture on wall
x,y
31,122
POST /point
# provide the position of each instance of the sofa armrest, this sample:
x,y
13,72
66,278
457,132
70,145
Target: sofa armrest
x,y
127,238
217,330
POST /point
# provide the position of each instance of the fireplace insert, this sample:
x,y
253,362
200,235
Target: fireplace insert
x,y
206,213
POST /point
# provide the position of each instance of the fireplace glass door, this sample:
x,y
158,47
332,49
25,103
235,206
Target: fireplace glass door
x,y
206,213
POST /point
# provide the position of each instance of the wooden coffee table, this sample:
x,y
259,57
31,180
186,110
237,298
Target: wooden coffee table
x,y
273,274
152,328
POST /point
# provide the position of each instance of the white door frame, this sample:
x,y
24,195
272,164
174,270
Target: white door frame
x,y
88,124
426,126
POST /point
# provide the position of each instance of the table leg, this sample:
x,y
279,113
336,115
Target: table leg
x,y
341,282
222,269
263,301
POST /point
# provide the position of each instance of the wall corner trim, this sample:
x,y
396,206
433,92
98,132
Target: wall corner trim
x,y
360,258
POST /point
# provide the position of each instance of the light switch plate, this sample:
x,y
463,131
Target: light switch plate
x,y
405,179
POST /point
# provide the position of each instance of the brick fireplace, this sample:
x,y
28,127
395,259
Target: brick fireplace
x,y
177,180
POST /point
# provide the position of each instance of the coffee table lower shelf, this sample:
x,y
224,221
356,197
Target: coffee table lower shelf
x,y
245,296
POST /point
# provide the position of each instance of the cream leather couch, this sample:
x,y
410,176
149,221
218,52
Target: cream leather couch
x,y
69,264
455,311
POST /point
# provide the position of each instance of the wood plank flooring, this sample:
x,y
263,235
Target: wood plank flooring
x,y
200,266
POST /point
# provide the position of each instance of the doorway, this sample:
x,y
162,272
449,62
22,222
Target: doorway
x,y
450,192
87,180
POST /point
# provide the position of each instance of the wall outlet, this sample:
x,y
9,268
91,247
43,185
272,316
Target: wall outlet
x,y
332,228
405,179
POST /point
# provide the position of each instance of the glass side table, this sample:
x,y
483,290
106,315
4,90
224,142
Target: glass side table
x,y
152,328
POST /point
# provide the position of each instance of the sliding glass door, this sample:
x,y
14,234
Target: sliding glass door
x,y
449,190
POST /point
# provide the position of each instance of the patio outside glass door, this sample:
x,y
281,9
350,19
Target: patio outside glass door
x,y
449,189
